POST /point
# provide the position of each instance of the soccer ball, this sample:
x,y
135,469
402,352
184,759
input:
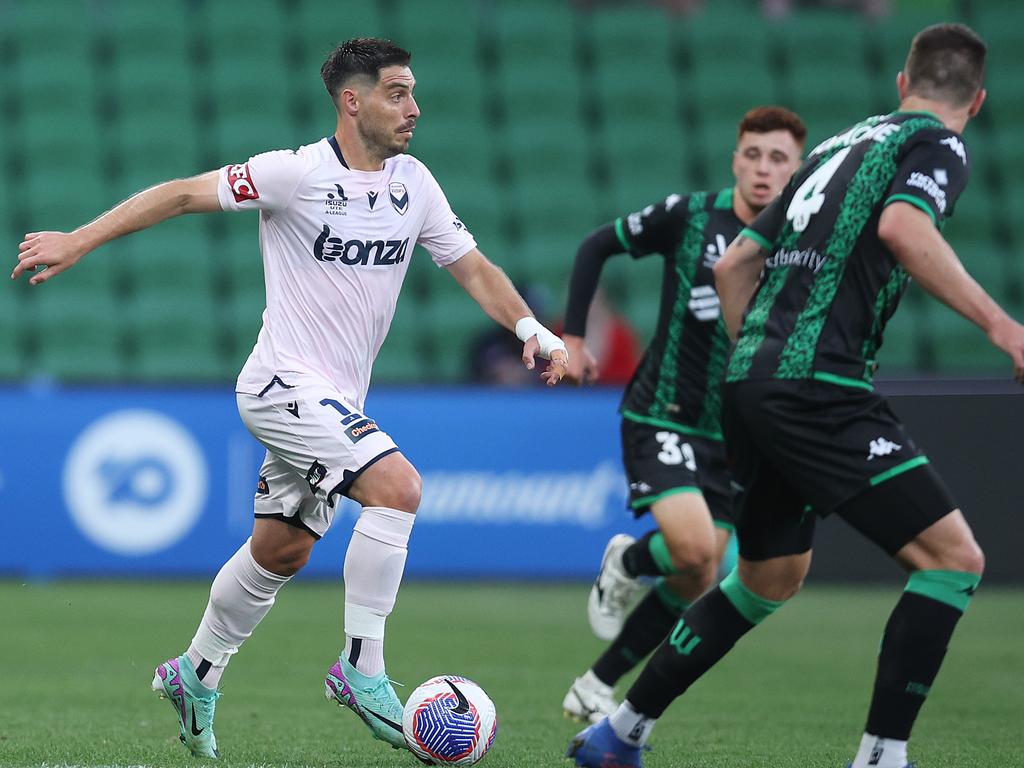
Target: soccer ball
x,y
449,720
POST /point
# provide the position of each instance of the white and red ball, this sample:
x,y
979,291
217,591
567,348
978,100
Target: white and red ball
x,y
449,720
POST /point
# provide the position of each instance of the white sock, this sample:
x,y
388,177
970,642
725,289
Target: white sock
x,y
631,726
374,565
240,597
876,752
366,655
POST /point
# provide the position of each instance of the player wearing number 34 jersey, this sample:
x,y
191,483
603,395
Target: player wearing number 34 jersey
x,y
338,221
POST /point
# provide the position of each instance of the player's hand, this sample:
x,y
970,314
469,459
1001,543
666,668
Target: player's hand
x,y
556,368
53,251
582,364
1009,337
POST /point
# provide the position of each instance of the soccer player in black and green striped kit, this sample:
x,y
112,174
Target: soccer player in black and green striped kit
x,y
819,273
671,432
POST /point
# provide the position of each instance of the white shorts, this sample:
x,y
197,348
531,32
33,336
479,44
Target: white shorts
x,y
317,445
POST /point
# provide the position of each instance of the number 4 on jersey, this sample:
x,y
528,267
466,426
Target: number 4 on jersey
x,y
810,196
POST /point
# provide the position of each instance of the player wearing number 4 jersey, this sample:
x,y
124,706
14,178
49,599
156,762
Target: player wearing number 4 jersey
x,y
338,223
820,272
671,433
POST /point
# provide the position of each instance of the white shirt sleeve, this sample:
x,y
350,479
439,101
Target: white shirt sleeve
x,y
443,235
268,181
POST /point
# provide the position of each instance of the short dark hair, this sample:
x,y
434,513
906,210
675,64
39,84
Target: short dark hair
x,y
365,56
766,119
946,63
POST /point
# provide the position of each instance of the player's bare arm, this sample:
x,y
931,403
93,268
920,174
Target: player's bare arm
x,y
737,275
490,287
911,236
58,251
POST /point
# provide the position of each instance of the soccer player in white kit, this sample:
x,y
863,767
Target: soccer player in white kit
x,y
338,223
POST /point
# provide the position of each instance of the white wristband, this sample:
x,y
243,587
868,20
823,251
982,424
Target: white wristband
x,y
528,327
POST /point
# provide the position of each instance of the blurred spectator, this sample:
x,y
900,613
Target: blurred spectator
x,y
612,341
870,8
496,356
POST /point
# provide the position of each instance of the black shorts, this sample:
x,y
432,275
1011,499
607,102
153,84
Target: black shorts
x,y
803,449
660,461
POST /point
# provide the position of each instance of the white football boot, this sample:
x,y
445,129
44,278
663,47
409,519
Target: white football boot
x,y
613,590
589,700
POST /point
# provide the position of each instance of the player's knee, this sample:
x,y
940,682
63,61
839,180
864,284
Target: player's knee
x,y
285,560
966,557
404,494
696,558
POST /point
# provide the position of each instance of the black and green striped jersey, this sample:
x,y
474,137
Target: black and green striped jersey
x,y
830,284
677,382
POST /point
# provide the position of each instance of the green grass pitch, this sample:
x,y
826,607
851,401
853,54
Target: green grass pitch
x,y
76,660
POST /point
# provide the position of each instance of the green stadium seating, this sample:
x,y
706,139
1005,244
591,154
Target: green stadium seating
x,y
174,336
13,332
76,335
540,121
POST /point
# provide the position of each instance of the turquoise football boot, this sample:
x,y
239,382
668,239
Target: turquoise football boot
x,y
372,698
193,703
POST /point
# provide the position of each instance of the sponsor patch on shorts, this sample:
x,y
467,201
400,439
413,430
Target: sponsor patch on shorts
x,y
361,429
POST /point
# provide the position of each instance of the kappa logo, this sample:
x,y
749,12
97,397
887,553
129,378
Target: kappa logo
x,y
241,184
956,147
336,204
714,251
399,196
882,447
372,198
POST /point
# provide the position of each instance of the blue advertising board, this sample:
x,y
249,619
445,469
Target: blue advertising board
x,y
120,481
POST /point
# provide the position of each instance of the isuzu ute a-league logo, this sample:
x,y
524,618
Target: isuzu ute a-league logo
x,y
135,482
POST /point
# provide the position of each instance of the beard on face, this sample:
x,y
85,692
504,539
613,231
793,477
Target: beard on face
x,y
380,139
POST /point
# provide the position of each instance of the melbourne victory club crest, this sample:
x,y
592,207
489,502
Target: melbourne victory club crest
x,y
399,196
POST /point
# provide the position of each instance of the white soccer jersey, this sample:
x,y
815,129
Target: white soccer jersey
x,y
336,245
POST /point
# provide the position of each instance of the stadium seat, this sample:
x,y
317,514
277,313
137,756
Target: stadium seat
x,y
77,334
154,33
11,363
961,348
175,337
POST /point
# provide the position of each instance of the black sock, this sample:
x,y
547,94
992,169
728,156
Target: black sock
x,y
645,627
913,647
704,634
637,560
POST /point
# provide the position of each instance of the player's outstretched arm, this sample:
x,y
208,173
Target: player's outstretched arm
x,y
911,236
594,251
737,275
58,251
493,291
